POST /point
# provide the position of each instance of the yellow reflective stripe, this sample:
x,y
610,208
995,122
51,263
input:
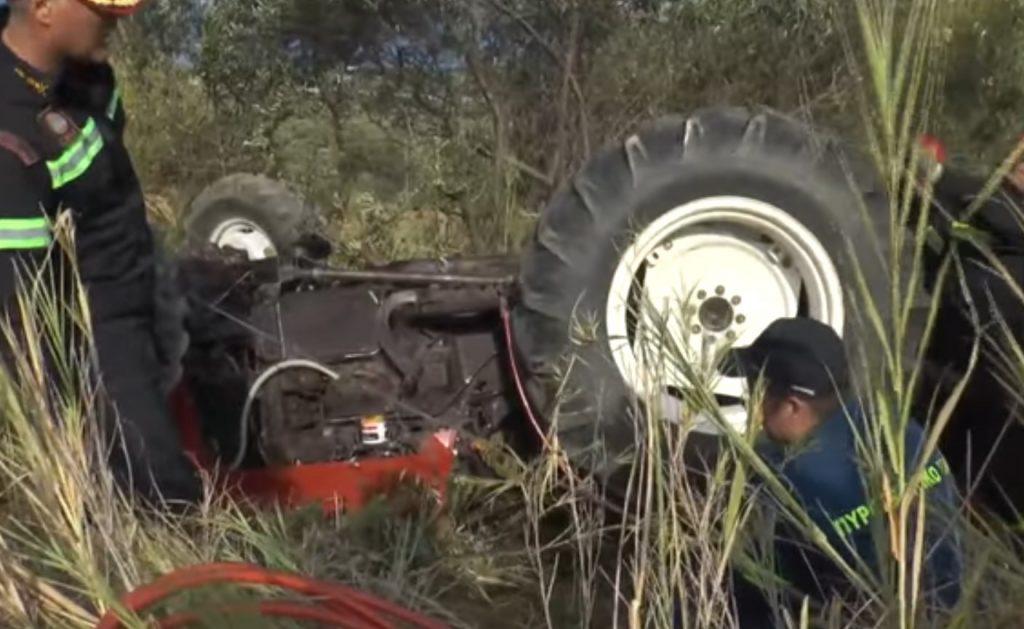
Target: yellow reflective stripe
x,y
77,158
71,153
23,244
24,233
16,224
115,99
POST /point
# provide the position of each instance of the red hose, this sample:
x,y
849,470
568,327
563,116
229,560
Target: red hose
x,y
370,611
517,379
268,609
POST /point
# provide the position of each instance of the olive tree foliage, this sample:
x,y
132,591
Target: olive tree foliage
x,y
531,88
178,141
480,109
294,69
166,30
536,86
983,100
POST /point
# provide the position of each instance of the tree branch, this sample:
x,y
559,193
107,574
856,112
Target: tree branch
x,y
563,64
518,164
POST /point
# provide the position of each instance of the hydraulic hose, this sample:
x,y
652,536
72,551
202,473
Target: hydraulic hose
x,y
349,607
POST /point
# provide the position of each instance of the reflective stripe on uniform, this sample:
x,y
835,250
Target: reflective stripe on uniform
x,y
115,100
77,158
24,233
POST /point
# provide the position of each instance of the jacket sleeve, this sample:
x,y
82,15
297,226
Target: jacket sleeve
x,y
26,234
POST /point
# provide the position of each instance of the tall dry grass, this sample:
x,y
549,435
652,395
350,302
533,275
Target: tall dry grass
x,y
70,544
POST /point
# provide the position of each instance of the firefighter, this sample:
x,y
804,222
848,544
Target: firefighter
x,y
62,148
810,438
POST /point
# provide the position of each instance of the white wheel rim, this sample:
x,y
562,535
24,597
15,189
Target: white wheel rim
x,y
246,236
713,273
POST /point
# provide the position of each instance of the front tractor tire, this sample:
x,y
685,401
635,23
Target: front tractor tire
x,y
252,215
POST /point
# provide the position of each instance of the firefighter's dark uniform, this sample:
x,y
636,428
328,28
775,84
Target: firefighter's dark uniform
x,y
825,474
61,147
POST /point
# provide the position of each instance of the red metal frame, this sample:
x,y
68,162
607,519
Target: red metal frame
x,y
335,486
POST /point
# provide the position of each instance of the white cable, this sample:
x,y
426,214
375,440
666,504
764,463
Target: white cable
x,y
273,370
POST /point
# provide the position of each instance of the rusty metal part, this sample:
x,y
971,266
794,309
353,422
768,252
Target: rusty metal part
x,y
456,302
395,277
486,271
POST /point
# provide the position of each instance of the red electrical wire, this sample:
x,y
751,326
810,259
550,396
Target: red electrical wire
x,y
370,611
524,399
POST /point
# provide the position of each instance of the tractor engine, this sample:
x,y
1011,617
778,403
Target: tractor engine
x,y
336,371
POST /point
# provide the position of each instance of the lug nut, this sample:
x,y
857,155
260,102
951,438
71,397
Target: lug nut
x,y
695,329
736,300
702,294
741,319
730,335
720,290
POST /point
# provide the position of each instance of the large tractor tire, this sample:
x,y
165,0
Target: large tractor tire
x,y
746,216
251,214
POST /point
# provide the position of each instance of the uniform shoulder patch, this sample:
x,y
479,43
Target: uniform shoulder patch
x,y
20,147
59,126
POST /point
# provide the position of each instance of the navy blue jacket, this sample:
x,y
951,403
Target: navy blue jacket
x,y
824,474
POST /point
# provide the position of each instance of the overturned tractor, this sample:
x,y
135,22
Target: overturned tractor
x,y
710,226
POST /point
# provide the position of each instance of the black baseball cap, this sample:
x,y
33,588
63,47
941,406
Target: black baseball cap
x,y
800,355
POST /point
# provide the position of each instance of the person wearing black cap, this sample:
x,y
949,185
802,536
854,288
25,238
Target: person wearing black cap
x,y
810,435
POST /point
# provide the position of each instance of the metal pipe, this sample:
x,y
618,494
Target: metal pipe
x,y
397,277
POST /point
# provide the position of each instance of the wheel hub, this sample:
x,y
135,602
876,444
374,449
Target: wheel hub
x,y
716,314
245,236
703,277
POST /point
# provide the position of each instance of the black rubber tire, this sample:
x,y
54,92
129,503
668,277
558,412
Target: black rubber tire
x,y
567,268
267,203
